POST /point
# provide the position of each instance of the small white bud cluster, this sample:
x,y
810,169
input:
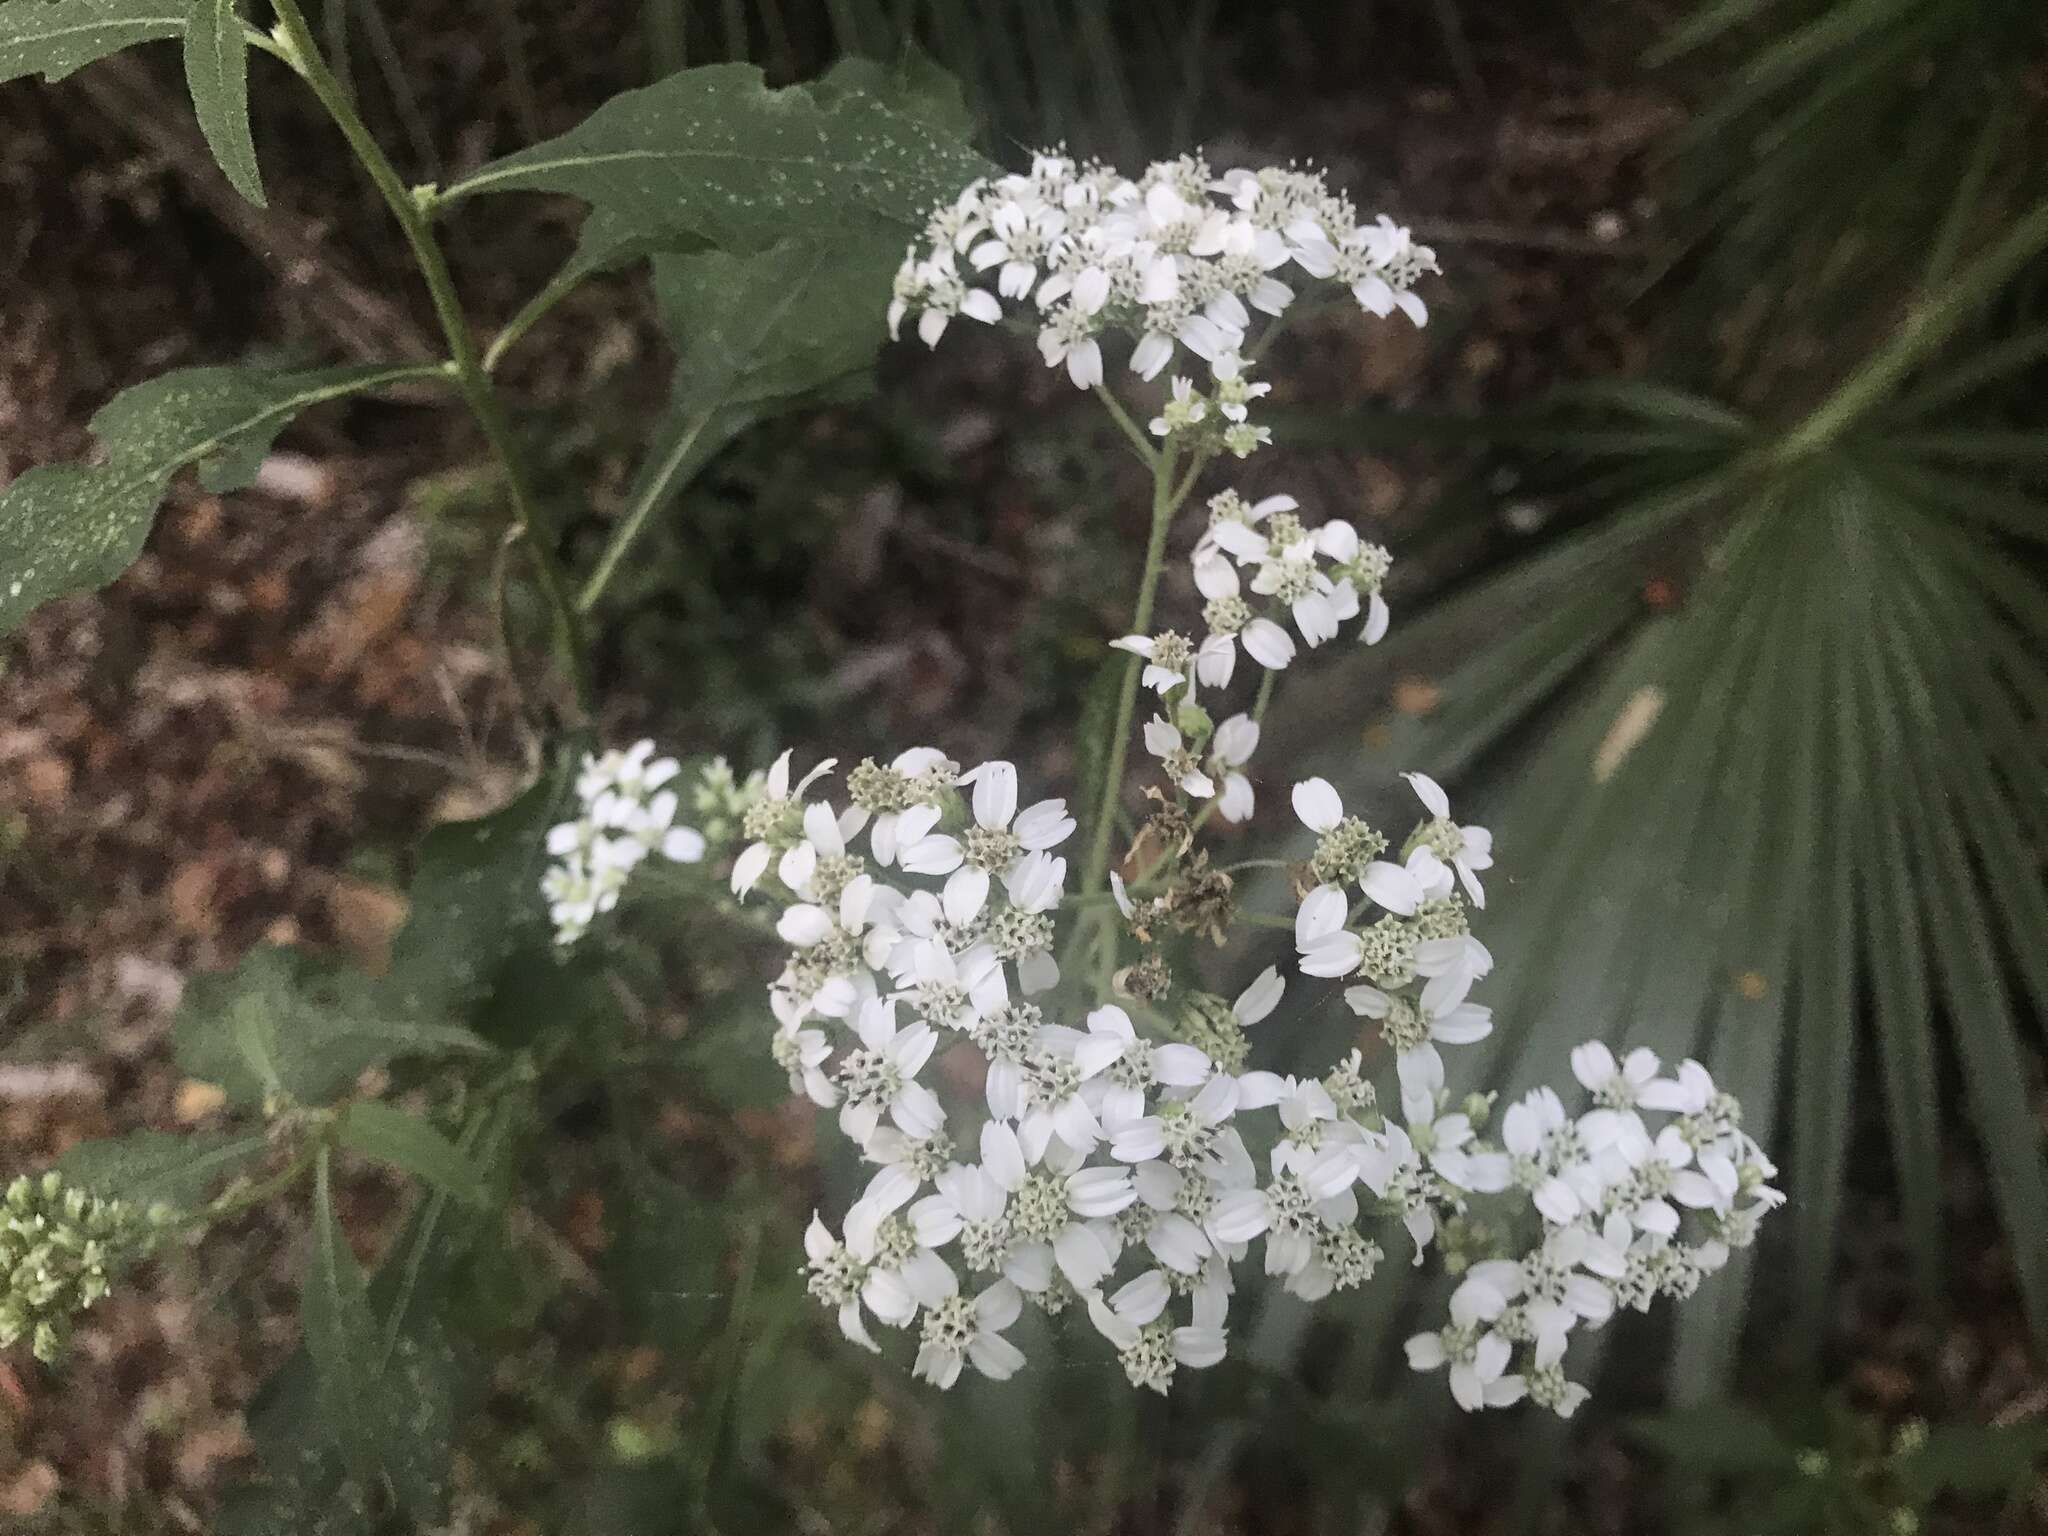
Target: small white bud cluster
x,y
624,815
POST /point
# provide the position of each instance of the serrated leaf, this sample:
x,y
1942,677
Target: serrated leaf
x,y
714,153
73,528
147,1168
217,74
52,40
413,1145
290,1023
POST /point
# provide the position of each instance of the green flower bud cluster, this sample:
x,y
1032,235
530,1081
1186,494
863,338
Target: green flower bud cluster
x,y
719,801
59,1248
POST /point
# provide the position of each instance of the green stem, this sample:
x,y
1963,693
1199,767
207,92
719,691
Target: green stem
x,y
1140,444
629,526
560,286
529,519
1926,326
237,1201
1096,872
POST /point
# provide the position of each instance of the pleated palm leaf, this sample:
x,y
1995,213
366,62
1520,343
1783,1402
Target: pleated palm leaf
x,y
1764,743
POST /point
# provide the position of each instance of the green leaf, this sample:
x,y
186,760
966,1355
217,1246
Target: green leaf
x,y
753,334
714,153
475,901
1716,1438
284,1022
147,1168
413,1145
390,1409
1974,1459
38,37
73,528
217,74
341,1332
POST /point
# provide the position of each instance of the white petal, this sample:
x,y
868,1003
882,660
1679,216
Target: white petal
x,y
1316,802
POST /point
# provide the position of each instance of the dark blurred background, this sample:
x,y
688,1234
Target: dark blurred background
x,y
1715,490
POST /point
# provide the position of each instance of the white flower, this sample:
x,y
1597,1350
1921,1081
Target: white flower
x,y
1477,1356
1148,1346
752,863
1231,622
881,1077
624,817
959,1330
1165,742
1053,1213
1232,747
1169,660
1468,849
1613,1085
1444,1139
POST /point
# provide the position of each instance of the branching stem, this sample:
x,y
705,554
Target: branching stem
x,y
297,47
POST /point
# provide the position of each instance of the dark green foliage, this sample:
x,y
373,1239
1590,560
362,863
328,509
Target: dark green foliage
x,y
1818,1468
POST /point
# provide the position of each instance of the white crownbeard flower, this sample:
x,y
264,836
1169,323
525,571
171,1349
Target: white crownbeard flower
x,y
959,1330
1468,849
1613,1085
1169,660
1149,1347
1444,1139
880,1078
1235,741
1477,1356
1464,1023
1184,409
777,802
624,817
1055,1210
1164,741
902,1274
802,1053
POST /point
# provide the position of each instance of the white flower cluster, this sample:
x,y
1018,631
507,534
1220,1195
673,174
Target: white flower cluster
x,y
1177,257
1319,577
1611,1198
624,815
1020,1157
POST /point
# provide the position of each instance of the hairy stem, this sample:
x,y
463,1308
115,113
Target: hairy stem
x,y
530,520
1140,444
